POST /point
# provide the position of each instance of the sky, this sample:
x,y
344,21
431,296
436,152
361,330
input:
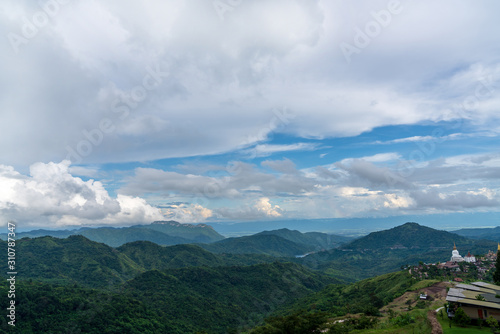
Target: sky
x,y
119,113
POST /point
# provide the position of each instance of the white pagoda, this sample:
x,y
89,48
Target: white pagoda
x,y
455,257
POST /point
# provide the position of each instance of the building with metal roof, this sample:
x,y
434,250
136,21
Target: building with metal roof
x,y
479,300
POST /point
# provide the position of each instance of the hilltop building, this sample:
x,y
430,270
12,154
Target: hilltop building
x,y
492,256
455,256
470,258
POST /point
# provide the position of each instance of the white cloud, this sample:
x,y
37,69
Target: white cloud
x,y
458,200
394,201
51,197
436,139
264,205
382,157
240,178
262,208
264,150
187,213
352,187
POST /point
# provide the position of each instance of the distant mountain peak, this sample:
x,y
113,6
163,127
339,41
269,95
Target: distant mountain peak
x,y
408,235
166,222
411,224
177,224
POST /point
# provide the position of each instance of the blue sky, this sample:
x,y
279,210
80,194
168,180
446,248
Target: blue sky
x,y
118,114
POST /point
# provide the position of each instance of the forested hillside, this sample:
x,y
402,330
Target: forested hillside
x,y
386,251
266,244
172,301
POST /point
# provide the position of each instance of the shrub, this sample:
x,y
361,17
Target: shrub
x,y
492,322
461,319
420,304
403,319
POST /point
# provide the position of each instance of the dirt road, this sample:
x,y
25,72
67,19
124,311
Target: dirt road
x,y
436,326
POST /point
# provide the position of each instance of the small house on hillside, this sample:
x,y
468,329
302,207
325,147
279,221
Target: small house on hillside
x,y
478,300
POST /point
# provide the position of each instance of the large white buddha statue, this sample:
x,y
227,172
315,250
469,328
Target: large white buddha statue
x,y
455,257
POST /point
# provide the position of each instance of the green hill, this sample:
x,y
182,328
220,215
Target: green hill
x,y
266,244
151,256
41,233
315,239
480,233
115,237
408,236
78,259
386,251
358,297
315,311
163,233
215,299
74,259
194,232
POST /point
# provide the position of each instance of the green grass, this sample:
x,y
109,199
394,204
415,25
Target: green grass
x,y
423,284
420,326
461,330
466,330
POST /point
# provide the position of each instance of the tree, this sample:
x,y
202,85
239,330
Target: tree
x,y
496,275
461,318
299,322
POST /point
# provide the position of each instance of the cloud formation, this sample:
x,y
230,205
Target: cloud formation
x,y
186,212
248,98
352,187
162,80
50,196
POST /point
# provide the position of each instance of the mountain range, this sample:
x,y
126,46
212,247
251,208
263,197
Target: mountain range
x,y
92,263
216,287
480,233
386,251
164,233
